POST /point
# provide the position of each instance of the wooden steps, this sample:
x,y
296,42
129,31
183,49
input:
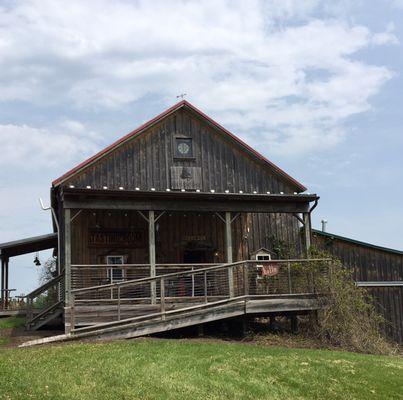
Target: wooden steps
x,y
45,316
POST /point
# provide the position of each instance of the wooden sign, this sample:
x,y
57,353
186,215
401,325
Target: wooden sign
x,y
195,238
116,238
270,269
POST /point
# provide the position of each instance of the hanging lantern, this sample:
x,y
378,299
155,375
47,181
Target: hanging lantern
x,y
37,262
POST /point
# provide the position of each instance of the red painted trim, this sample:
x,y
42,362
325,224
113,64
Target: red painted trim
x,y
161,116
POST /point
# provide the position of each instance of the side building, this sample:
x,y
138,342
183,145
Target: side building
x,y
377,269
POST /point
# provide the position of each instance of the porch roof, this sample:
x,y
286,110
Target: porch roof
x,y
185,201
28,245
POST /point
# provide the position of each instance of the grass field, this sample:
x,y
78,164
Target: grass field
x,y
174,369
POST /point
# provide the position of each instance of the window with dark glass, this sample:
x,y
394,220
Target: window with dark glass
x,y
183,148
115,274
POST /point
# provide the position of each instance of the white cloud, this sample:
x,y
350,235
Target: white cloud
x,y
386,37
272,71
27,148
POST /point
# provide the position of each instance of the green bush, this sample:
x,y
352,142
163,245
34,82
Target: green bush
x,y
349,319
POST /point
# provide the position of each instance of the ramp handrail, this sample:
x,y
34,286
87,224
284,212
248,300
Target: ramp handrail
x,y
187,289
192,272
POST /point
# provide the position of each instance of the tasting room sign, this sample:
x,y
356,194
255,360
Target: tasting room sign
x,y
116,238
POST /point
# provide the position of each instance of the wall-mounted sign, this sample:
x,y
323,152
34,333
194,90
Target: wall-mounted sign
x,y
116,238
195,238
270,269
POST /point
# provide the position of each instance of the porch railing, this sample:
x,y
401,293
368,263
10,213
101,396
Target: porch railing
x,y
195,286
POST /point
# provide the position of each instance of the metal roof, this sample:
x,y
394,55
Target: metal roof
x,y
28,245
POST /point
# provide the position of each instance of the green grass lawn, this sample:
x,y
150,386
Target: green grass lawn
x,y
173,369
12,322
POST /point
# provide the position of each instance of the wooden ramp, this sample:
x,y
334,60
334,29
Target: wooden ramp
x,y
151,305
196,315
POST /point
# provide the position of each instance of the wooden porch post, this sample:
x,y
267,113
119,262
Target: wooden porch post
x,y
2,282
67,257
228,243
307,233
151,239
6,293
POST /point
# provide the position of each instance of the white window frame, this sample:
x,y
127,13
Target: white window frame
x,y
114,269
262,256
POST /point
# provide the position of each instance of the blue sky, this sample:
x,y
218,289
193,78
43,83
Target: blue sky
x,y
314,85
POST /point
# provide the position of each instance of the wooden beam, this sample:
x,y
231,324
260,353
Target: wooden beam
x,y
228,245
7,293
67,256
178,204
2,282
151,244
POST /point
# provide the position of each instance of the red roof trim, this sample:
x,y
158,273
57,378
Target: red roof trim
x,y
155,120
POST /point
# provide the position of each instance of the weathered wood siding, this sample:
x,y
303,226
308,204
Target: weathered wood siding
x,y
176,232
145,161
372,264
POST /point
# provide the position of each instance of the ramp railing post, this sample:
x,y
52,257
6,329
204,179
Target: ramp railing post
x,y
205,286
245,279
162,297
289,278
29,314
71,309
118,302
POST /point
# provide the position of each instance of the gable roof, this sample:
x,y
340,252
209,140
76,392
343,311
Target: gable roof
x,y
332,236
185,105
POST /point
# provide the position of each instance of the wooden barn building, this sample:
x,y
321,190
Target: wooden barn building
x,y
377,269
178,223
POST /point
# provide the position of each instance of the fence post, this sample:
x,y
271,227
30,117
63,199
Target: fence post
x,y
289,278
162,296
118,302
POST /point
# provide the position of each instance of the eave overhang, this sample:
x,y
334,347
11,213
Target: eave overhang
x,y
185,201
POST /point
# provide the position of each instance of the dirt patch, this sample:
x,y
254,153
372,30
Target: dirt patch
x,y
13,337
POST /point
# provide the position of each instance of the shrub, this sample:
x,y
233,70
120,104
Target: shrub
x,y
349,319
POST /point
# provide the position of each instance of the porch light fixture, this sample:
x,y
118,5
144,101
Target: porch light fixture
x,y
36,260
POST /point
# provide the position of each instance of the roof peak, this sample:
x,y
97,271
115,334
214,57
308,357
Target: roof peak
x,y
168,111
